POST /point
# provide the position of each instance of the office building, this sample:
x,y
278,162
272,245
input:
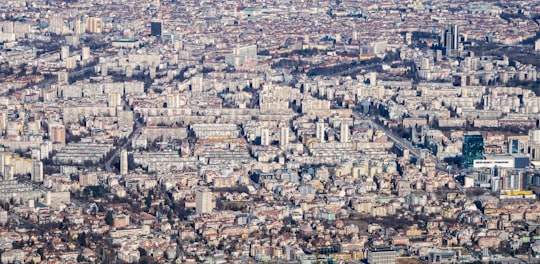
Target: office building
x,y
156,28
442,257
509,161
450,40
124,162
473,148
203,200
384,255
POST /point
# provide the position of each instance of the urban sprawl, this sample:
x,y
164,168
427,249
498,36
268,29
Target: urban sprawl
x,y
290,131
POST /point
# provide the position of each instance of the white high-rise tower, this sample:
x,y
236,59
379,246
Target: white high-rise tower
x,y
124,162
265,137
203,200
319,133
284,136
344,132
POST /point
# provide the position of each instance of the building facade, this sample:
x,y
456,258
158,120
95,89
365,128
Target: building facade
x,y
473,148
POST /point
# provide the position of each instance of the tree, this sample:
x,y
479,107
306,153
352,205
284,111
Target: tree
x,y
41,252
148,201
142,252
81,239
109,220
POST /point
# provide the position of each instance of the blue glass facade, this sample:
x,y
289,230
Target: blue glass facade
x,y
473,148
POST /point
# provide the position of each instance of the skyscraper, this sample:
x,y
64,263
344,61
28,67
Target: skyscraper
x,y
156,28
450,40
455,36
203,200
473,148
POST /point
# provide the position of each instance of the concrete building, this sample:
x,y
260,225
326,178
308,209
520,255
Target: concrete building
x,y
203,199
265,137
124,162
320,131
381,256
502,161
94,25
284,136
57,134
344,133
37,171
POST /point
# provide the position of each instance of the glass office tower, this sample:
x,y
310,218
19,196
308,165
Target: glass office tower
x,y
473,148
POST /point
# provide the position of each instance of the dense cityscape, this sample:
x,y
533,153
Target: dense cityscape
x,y
290,131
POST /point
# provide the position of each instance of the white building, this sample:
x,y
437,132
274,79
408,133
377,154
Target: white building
x,y
320,131
203,199
284,136
124,162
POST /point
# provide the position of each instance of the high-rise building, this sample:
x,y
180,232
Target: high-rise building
x,y
56,24
320,131
124,162
450,40
37,171
57,134
94,25
513,181
88,179
265,137
455,37
372,78
284,136
156,28
64,54
8,172
344,132
79,26
85,54
473,148
532,146
5,159
203,200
